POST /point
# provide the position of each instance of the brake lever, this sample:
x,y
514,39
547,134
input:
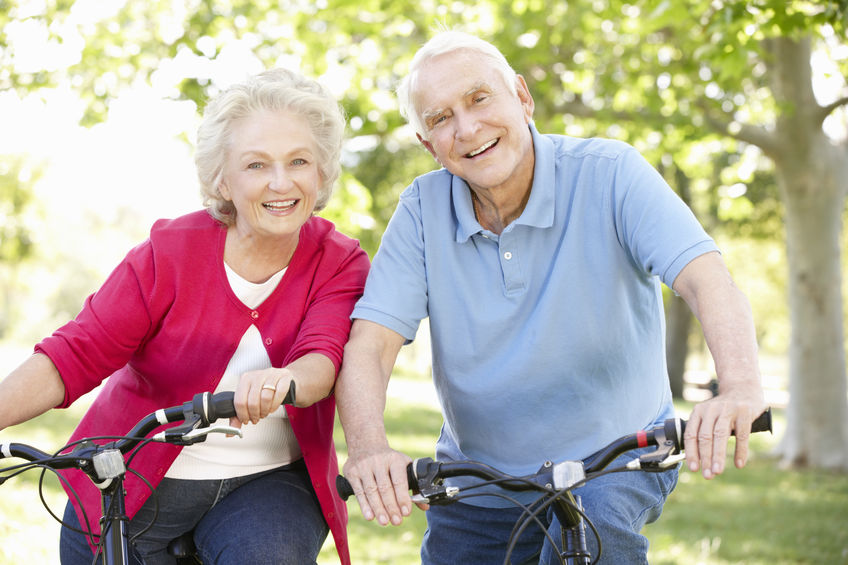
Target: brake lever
x,y
665,456
195,435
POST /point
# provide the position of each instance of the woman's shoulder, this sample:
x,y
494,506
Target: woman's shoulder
x,y
321,232
198,220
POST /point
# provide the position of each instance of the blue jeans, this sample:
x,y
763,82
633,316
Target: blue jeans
x,y
618,504
267,518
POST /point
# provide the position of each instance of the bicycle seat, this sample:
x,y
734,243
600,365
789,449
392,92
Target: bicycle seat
x,y
183,549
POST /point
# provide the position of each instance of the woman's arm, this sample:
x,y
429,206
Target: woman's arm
x,y
30,390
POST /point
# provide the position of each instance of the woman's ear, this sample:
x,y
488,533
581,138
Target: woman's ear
x,y
224,191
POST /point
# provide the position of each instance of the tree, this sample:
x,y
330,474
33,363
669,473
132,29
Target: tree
x,y
689,82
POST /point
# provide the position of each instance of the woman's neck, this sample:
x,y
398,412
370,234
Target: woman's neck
x,y
255,259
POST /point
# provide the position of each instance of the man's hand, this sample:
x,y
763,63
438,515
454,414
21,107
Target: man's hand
x,y
710,425
380,484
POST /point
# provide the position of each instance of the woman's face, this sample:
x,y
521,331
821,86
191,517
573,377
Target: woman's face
x,y
271,174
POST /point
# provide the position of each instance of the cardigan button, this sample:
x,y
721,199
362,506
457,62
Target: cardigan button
x,y
268,341
254,314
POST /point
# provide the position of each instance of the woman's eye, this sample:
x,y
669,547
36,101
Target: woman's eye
x,y
254,166
298,162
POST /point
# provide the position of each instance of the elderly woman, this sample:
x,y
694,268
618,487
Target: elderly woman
x,y
249,295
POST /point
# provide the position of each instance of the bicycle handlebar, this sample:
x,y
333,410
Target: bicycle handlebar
x,y
198,415
425,475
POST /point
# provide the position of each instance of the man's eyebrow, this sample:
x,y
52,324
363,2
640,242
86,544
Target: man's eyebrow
x,y
433,112
477,87
427,114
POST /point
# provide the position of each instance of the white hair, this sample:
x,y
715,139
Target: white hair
x,y
442,43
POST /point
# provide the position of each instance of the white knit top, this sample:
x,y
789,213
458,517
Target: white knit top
x,y
265,445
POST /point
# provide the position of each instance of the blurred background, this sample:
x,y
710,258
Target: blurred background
x,y
740,105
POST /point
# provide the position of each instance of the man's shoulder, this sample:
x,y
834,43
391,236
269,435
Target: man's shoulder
x,y
429,184
581,147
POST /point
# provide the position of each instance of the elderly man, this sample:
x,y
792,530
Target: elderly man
x,y
538,260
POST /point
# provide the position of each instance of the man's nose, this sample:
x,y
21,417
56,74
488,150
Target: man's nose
x,y
466,125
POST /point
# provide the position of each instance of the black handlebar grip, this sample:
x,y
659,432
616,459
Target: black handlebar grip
x,y
763,422
343,487
221,406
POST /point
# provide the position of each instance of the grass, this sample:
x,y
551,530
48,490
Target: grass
x,y
758,515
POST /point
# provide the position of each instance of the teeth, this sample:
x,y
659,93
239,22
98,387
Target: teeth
x,y
483,148
280,205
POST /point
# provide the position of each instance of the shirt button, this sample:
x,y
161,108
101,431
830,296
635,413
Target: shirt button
x,y
508,255
268,341
254,314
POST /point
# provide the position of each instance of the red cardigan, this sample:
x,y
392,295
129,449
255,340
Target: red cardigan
x,y
165,324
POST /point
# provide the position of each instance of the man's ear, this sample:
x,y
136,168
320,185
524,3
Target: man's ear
x,y
428,146
525,97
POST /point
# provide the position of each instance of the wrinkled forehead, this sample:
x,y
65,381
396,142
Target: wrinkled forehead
x,y
446,77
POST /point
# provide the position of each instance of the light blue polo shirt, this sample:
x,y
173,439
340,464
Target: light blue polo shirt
x,y
548,339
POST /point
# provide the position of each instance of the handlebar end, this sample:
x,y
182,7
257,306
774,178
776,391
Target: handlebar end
x,y
343,487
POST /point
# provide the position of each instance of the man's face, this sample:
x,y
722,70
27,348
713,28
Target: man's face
x,y
475,127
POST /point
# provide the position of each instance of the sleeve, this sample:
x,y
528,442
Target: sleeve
x,y
654,225
326,324
396,290
109,329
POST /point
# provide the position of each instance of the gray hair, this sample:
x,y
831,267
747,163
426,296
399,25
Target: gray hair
x,y
275,89
440,44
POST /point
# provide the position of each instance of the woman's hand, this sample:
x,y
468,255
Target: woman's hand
x,y
259,393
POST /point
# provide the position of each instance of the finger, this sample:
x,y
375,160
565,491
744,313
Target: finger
x,y
371,490
400,485
705,447
721,435
234,423
386,490
361,498
267,399
743,434
240,403
690,442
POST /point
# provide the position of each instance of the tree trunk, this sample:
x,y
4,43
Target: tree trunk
x,y
812,174
678,324
817,416
678,314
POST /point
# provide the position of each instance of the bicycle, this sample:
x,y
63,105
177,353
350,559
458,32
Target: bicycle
x,y
106,466
555,482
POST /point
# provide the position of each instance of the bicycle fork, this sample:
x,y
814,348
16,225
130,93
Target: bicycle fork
x,y
568,510
114,526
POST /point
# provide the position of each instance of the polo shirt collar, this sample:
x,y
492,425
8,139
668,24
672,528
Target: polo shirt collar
x,y
539,211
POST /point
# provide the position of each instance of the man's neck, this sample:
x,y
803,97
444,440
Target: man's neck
x,y
496,210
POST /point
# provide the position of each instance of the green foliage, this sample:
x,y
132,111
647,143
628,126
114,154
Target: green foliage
x,y
16,180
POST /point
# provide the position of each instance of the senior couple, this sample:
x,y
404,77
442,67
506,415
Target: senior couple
x,y
536,257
